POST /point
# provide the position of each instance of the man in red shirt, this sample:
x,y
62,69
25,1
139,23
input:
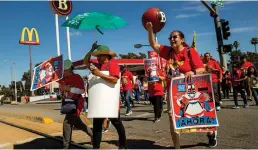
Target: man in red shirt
x,y
72,86
127,82
244,67
105,63
213,67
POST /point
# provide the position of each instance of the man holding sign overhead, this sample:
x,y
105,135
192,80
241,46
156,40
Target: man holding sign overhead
x,y
109,81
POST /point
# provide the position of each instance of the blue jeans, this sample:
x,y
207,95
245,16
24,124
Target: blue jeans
x,y
128,100
137,95
255,94
85,104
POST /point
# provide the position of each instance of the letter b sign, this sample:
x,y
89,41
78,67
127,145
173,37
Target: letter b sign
x,y
61,7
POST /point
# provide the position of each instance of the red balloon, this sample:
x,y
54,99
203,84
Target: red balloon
x,y
156,17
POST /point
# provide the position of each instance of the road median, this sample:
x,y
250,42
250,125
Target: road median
x,y
39,119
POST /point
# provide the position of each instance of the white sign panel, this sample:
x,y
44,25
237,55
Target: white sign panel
x,y
103,98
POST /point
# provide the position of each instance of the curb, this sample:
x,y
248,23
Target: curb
x,y
39,119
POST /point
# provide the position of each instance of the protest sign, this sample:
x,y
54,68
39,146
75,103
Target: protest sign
x,y
47,72
103,97
151,67
193,104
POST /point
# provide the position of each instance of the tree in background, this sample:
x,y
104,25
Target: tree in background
x,y
236,54
133,56
254,41
236,45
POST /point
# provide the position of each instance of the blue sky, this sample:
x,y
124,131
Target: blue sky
x,y
185,16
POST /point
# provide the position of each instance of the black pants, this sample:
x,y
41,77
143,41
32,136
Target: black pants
x,y
69,122
156,101
219,91
216,93
241,90
97,131
225,89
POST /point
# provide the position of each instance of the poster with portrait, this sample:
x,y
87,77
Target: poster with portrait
x,y
151,67
48,72
193,104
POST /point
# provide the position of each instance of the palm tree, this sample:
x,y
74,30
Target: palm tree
x,y
236,44
254,41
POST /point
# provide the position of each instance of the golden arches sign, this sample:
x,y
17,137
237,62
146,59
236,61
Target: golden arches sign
x,y
29,41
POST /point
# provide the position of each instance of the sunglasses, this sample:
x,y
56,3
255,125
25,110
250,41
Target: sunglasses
x,y
173,37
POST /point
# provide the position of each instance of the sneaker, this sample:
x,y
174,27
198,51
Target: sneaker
x,y
105,130
212,139
156,120
220,102
246,105
218,108
235,107
129,113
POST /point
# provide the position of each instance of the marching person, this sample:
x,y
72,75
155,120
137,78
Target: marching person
x,y
137,89
156,93
238,82
244,67
104,56
127,82
72,86
186,61
253,82
213,67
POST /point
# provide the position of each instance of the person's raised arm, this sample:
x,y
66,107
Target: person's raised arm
x,y
151,37
88,55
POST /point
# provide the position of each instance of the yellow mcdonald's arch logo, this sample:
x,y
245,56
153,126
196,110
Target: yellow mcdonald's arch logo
x,y
29,41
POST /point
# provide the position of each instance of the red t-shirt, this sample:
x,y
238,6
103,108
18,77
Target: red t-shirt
x,y
246,65
214,74
112,67
126,80
185,63
156,89
75,81
182,58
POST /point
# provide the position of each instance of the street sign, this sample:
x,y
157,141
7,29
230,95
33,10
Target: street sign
x,y
219,3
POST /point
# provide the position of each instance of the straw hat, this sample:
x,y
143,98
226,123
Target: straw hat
x,y
103,50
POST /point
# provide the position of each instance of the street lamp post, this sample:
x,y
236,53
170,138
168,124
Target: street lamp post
x,y
13,78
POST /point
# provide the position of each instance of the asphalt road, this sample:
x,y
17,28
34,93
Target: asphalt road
x,y
238,127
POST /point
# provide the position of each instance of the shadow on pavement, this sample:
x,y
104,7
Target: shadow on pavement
x,y
139,144
42,143
192,146
135,118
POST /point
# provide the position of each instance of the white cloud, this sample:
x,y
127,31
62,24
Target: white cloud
x,y
186,16
243,29
76,33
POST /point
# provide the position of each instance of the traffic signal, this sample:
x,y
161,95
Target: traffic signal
x,y
225,29
227,48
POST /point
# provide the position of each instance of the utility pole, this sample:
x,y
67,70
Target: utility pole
x,y
214,13
15,88
31,70
218,29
